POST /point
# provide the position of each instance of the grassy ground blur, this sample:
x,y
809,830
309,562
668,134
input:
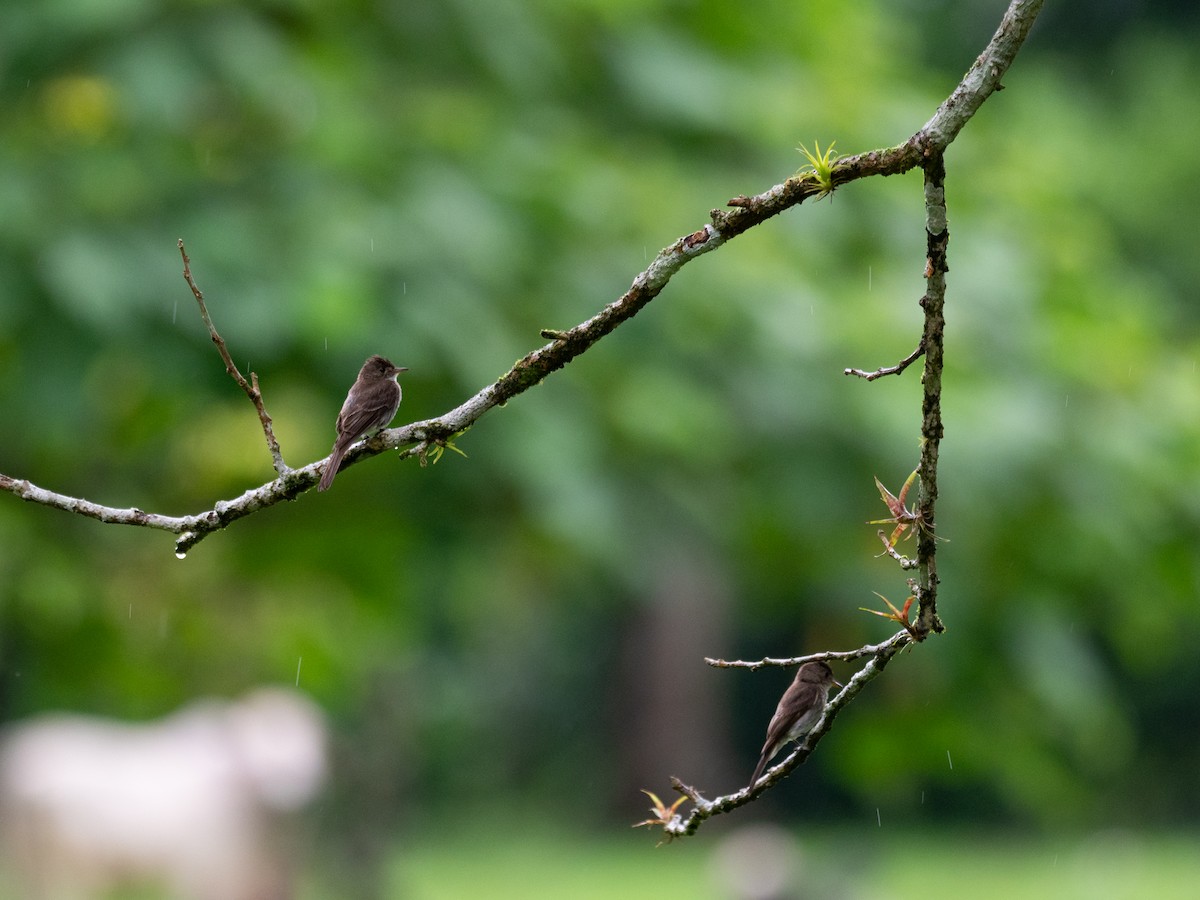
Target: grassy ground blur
x,y
871,863
867,863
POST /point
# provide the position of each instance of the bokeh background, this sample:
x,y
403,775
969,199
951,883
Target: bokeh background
x,y
510,645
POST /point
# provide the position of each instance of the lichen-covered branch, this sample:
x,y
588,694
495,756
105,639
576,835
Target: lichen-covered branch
x,y
746,212
937,237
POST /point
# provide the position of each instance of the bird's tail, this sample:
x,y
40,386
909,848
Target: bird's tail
x,y
762,764
331,467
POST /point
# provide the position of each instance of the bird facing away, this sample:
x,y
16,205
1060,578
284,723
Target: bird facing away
x,y
799,710
370,406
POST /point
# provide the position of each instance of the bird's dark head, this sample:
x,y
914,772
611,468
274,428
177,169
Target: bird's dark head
x,y
817,673
380,367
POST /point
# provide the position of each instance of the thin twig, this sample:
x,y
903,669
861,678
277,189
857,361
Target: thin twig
x,y
890,549
251,387
889,370
823,656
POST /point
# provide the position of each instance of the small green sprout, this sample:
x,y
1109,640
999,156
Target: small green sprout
x,y
431,451
820,166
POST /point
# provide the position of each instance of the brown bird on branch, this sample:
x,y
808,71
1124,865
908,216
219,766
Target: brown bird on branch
x,y
370,406
799,710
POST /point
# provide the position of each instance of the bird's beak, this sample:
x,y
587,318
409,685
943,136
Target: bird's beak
x,y
401,368
838,683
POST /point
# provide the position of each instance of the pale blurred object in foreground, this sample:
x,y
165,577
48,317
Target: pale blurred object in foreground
x,y
195,804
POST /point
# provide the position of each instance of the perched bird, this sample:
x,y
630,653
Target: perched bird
x,y
370,406
798,711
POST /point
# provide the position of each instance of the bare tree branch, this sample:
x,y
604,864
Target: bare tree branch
x,y
928,143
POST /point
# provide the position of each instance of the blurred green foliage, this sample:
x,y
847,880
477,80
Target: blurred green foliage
x,y
436,182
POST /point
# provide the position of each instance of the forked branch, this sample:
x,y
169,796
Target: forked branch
x,y
930,144
927,144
